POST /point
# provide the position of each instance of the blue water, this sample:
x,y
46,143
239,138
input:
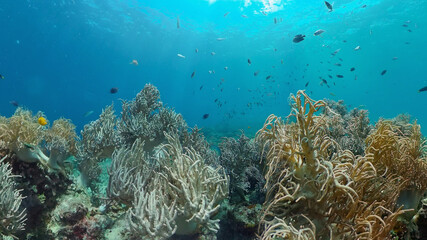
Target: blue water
x,y
62,57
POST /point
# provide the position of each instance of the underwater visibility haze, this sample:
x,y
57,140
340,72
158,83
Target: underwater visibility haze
x,y
213,119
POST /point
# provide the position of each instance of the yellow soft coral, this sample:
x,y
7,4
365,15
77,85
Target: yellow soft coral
x,y
317,189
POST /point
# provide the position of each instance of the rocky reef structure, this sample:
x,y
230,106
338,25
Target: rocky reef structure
x,y
316,189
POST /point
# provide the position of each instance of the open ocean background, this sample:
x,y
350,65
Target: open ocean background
x,y
63,57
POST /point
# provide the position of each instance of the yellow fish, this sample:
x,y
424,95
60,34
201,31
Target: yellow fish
x,y
42,121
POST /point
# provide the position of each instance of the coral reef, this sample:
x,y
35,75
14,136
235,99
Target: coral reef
x,y
242,161
321,173
316,189
98,142
12,216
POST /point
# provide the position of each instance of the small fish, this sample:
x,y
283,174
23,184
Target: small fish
x,y
329,6
194,73
307,84
275,20
423,89
383,72
256,73
213,53
180,55
205,116
364,6
329,76
225,15
88,113
220,39
201,87
356,48
318,32
324,81
177,22
14,103
338,64
394,58
336,51
281,61
332,94
196,50
352,69
249,61
42,121
225,68
1,76
298,38
134,62
268,77
340,76
244,16
114,90
405,25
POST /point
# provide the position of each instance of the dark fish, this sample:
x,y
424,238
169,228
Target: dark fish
x,y
364,6
307,84
329,6
14,103
405,25
205,116
338,64
423,89
177,23
275,20
249,61
1,76
194,73
340,76
383,72
352,69
329,76
268,77
256,73
225,15
201,87
114,90
324,81
298,38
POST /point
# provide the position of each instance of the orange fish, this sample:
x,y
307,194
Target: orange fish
x,y
134,62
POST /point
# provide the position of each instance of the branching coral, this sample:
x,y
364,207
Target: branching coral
x,y
146,118
197,187
315,185
349,129
12,216
241,160
400,153
130,171
153,215
99,140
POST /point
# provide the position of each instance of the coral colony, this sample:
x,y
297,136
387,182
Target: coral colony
x,y
323,172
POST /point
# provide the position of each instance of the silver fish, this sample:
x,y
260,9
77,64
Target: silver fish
x,y
318,32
